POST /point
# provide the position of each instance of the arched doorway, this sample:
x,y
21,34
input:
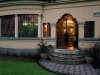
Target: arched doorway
x,y
67,32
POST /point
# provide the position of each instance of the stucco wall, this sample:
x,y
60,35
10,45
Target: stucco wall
x,y
18,44
87,44
21,9
23,44
81,11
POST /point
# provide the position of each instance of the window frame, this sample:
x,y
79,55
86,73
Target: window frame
x,y
89,29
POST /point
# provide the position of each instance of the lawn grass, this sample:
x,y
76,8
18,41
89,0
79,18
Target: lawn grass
x,y
10,67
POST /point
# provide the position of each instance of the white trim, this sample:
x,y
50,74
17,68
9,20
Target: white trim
x,y
96,13
16,26
53,24
39,25
81,24
0,26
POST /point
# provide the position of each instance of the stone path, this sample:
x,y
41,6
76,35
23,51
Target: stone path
x,y
82,69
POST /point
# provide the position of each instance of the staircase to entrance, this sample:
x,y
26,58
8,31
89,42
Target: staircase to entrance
x,y
66,56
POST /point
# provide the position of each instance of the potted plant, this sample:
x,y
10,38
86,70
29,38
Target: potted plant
x,y
43,50
89,54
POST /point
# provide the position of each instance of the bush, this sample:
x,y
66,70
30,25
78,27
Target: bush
x,y
44,47
89,52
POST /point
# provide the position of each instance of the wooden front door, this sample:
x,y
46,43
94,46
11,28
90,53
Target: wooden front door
x,y
67,32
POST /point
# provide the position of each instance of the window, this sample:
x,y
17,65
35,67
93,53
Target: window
x,y
8,26
89,29
27,25
46,30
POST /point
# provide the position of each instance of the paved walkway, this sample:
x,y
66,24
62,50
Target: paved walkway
x,y
82,69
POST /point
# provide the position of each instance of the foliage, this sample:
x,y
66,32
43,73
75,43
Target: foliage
x,y
50,46
30,26
89,52
44,47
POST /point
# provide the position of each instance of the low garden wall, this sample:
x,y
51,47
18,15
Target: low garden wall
x,y
19,52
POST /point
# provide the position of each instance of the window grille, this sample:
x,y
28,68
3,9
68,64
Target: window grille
x,y
27,25
8,26
89,29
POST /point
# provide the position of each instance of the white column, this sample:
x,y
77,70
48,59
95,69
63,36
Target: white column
x,y
0,26
39,25
16,26
53,30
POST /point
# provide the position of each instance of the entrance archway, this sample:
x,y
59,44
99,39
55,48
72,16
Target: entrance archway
x,y
67,32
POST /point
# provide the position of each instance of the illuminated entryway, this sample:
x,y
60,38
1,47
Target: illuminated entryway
x,y
67,32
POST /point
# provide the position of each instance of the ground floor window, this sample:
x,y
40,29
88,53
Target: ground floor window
x,y
89,29
8,26
27,25
46,30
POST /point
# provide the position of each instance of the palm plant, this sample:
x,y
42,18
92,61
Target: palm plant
x,y
43,47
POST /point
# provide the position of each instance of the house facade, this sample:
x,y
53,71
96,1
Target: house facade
x,y
23,24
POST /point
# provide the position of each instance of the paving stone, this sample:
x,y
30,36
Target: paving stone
x,y
66,69
83,69
61,68
48,65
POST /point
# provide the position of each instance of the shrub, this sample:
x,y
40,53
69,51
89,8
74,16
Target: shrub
x,y
88,52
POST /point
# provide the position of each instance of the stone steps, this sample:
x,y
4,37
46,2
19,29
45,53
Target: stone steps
x,y
67,58
67,61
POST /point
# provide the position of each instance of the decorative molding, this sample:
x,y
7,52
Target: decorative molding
x,y
53,24
2,4
96,13
38,39
81,24
74,6
21,9
89,39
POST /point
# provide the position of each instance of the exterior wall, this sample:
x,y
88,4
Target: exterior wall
x,y
87,44
20,44
23,44
21,9
97,27
81,11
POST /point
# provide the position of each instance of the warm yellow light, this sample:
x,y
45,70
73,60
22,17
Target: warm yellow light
x,y
70,23
65,22
73,33
46,26
64,30
71,30
71,48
